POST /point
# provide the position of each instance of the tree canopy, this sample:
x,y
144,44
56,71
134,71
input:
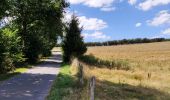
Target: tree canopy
x,y
33,27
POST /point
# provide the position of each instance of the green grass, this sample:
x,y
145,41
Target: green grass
x,y
13,73
63,85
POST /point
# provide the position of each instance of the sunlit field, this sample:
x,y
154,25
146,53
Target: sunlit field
x,y
149,73
147,79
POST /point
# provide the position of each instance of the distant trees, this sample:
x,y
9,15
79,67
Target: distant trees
x,y
73,45
126,41
32,30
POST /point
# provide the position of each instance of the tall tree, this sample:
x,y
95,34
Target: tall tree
x,y
73,45
38,23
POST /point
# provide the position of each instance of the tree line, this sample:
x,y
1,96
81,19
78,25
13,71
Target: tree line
x,y
126,41
28,30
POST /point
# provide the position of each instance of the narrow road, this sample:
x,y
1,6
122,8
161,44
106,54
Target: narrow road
x,y
33,84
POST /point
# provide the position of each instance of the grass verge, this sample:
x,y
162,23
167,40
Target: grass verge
x,y
63,85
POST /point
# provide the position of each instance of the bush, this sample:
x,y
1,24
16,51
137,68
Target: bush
x,y
10,50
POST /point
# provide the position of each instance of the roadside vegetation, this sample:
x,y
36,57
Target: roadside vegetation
x,y
29,30
64,85
147,78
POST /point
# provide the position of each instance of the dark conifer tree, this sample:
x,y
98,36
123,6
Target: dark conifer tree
x,y
73,44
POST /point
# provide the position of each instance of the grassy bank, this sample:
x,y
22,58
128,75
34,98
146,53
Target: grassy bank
x,y
63,85
66,87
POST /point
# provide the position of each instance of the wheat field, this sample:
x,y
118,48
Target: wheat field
x,y
148,78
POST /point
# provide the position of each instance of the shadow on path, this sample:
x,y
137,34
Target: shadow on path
x,y
34,84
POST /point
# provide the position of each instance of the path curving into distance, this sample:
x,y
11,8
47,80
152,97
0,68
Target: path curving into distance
x,y
33,84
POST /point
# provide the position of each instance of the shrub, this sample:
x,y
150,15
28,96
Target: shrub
x,y
10,50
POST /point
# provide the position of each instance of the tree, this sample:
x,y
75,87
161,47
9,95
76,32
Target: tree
x,y
31,31
73,45
10,50
39,22
4,6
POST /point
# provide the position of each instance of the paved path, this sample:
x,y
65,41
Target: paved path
x,y
34,84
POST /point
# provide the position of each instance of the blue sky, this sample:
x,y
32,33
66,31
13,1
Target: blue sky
x,y
121,19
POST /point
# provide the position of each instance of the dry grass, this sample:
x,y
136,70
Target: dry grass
x,y
149,78
152,55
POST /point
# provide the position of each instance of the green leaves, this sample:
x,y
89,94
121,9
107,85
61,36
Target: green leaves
x,y
10,50
32,32
73,45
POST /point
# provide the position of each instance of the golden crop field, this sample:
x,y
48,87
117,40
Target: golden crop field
x,y
148,78
147,56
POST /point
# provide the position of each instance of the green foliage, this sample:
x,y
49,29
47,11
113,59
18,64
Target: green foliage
x,y
38,23
114,64
31,32
10,50
73,45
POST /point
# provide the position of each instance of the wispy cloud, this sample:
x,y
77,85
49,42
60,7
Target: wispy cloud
x,y
162,18
102,4
96,35
92,24
166,31
108,9
138,24
132,2
149,4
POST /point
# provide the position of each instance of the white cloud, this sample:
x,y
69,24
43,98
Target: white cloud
x,y
167,31
88,23
95,3
76,1
98,3
108,9
132,2
149,4
162,18
138,24
92,23
97,35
